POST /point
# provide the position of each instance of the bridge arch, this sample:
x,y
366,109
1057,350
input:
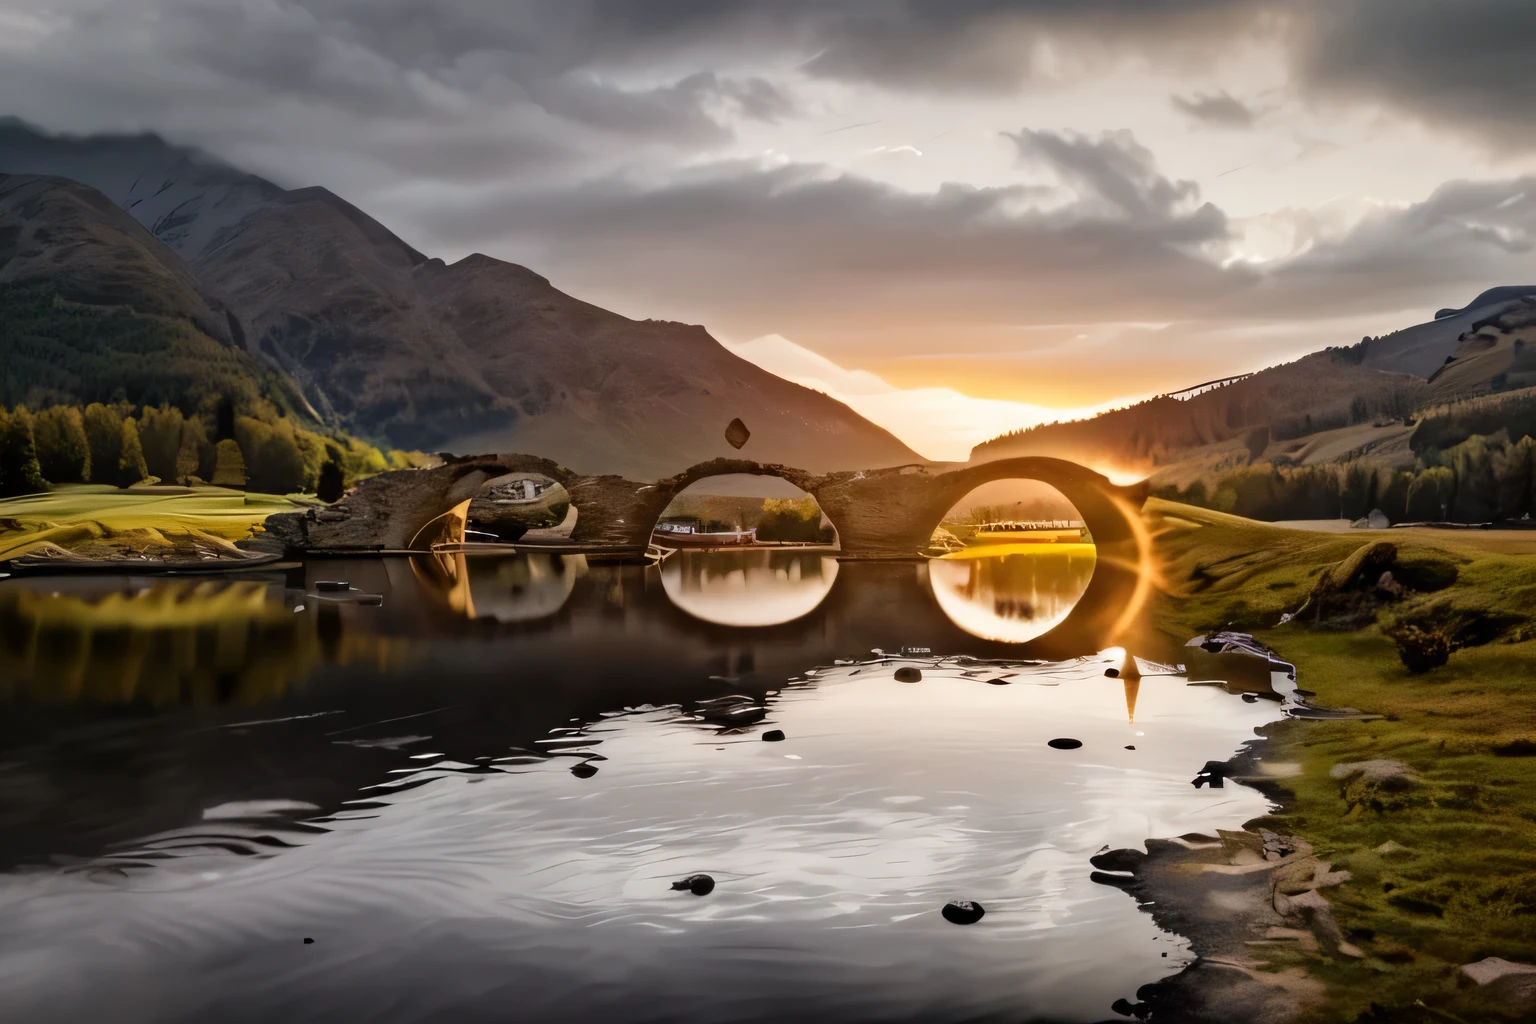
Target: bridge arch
x,y
883,513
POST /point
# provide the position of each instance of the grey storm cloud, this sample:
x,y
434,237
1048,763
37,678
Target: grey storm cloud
x,y
799,247
505,88
1114,167
802,250
1221,109
1466,66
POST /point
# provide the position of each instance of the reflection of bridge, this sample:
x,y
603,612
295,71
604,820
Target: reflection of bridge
x,y
883,513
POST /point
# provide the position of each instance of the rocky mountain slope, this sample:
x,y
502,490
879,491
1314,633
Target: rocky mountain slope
x,y
95,308
480,355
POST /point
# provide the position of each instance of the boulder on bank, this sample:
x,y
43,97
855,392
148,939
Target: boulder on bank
x,y
1508,982
1376,519
1378,785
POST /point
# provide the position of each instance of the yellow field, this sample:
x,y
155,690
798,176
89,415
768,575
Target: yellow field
x,y
78,516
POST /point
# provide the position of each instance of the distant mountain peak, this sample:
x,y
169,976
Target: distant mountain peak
x,y
481,355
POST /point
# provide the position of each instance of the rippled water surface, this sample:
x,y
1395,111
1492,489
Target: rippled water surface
x,y
472,782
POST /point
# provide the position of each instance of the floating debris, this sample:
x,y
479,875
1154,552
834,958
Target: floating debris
x,y
963,912
737,434
699,885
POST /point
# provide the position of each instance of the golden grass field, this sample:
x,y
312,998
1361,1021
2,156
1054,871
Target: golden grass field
x,y
88,520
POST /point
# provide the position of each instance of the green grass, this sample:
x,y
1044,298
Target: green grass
x,y
1465,888
80,515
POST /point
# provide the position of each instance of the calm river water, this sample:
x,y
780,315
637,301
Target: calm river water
x,y
461,789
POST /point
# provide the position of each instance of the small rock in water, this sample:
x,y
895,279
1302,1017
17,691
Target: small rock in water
x,y
308,941
1130,746
963,912
1250,698
699,885
773,735
1000,681
1112,673
908,674
1214,774
1065,743
585,770
737,434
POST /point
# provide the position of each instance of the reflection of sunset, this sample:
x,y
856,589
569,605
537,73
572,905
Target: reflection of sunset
x,y
1012,592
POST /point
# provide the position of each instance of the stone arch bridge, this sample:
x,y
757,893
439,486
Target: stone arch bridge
x,y
882,513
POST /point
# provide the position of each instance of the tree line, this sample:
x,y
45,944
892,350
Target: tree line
x,y
120,444
1478,480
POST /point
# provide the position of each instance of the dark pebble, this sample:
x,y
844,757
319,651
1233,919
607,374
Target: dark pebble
x,y
773,735
963,912
584,770
1130,746
1065,743
1113,673
997,682
309,942
1249,698
699,885
1118,860
907,674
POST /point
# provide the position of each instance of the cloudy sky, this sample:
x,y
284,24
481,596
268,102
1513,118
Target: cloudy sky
x,y
959,215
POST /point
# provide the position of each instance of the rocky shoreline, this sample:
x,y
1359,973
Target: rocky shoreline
x,y
1234,895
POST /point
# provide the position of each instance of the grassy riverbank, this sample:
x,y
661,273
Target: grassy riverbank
x,y
94,519
1459,883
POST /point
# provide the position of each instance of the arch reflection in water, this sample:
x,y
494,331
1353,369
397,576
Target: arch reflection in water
x,y
514,588
760,587
1011,592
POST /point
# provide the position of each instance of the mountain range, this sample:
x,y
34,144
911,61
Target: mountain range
x,y
300,295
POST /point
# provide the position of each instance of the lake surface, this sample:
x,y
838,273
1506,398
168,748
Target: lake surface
x,y
472,781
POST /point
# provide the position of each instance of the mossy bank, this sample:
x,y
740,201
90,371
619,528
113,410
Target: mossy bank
x,y
1443,866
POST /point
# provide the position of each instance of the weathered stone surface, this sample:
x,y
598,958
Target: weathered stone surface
x,y
886,512
1509,982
